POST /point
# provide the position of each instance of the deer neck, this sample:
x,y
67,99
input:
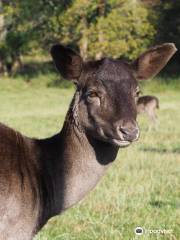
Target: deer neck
x,y
85,162
77,165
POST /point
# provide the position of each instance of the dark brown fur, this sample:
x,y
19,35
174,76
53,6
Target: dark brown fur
x,y
41,178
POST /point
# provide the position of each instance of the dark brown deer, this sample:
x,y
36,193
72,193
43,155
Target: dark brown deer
x,y
41,178
148,105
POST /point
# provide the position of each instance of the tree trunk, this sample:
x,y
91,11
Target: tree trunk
x,y
2,68
101,12
2,24
84,39
16,64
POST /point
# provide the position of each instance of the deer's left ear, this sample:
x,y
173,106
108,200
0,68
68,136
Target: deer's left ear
x,y
151,62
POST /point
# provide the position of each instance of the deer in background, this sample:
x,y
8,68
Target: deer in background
x,y
148,105
40,178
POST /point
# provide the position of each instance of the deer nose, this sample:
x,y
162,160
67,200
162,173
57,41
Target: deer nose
x,y
129,134
128,131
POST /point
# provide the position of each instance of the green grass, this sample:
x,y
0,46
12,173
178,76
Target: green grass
x,y
142,188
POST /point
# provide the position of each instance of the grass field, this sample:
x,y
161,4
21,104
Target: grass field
x,y
142,188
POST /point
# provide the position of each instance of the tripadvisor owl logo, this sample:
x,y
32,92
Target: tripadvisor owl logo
x,y
139,230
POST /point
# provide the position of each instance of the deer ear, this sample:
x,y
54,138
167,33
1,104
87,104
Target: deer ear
x,y
151,62
67,61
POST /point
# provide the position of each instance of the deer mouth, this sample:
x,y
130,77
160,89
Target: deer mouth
x,y
121,143
114,141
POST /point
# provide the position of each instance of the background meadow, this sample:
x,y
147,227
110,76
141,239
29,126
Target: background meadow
x,y
142,186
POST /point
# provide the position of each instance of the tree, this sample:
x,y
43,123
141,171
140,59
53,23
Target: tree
x,y
115,28
28,25
95,28
14,38
126,30
76,23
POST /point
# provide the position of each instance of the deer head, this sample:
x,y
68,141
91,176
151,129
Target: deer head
x,y
107,90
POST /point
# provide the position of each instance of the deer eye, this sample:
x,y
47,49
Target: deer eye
x,y
91,94
93,98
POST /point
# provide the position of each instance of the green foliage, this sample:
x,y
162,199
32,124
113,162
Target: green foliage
x,y
97,28
115,28
24,24
126,31
16,38
125,28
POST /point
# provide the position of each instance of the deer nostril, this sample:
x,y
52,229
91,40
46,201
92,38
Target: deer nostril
x,y
129,134
125,131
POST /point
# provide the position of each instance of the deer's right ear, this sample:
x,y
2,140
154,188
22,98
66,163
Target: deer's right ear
x,y
67,61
